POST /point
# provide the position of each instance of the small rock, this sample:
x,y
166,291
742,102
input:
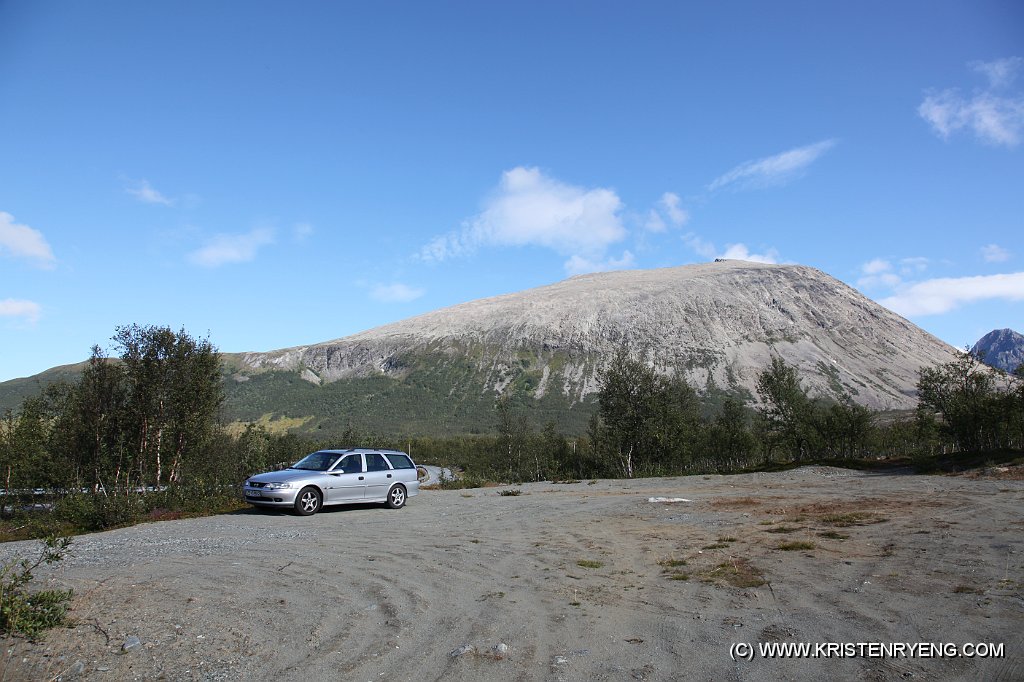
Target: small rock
x,y
130,643
500,648
77,668
462,651
559,660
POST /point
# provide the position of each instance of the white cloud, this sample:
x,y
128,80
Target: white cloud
x,y
876,266
667,208
12,307
1000,72
914,264
772,170
670,204
993,253
701,246
878,272
994,118
937,296
147,194
578,265
232,248
741,252
530,208
654,222
301,231
21,241
738,251
395,293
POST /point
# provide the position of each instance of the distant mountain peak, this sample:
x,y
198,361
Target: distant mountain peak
x,y
1001,348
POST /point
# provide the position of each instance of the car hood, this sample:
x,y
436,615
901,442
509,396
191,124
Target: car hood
x,y
286,476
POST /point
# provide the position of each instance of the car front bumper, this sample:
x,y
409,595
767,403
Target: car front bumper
x,y
271,498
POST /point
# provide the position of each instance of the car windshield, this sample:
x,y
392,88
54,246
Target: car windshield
x,y
318,461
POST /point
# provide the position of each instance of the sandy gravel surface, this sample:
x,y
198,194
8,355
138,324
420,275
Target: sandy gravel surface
x,y
470,585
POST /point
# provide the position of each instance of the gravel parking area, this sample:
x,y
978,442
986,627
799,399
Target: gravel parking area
x,y
578,581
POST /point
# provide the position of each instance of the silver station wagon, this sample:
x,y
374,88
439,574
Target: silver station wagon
x,y
329,477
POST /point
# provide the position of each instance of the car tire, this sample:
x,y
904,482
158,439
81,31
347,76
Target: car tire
x,y
308,501
397,497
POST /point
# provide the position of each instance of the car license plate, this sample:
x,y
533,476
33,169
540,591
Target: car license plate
x,y
254,493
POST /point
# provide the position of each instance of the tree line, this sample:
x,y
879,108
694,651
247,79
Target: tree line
x,y
141,433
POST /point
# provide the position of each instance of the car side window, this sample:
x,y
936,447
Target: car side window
x,y
400,461
376,462
350,464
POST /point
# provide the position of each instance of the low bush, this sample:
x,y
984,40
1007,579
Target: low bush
x,y
31,613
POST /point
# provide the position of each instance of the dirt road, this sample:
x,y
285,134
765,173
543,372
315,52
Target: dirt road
x,y
582,581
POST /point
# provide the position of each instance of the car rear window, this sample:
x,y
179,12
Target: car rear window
x,y
400,461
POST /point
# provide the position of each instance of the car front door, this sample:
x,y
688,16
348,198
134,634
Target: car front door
x,y
346,481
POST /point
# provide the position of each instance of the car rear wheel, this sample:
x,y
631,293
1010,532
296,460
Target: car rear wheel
x,y
307,502
396,497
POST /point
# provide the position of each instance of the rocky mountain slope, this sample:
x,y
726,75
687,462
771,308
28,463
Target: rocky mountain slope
x,y
718,323
1001,348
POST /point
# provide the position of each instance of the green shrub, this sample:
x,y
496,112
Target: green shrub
x,y
93,512
32,613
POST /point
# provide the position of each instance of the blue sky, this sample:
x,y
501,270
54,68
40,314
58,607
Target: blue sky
x,y
277,174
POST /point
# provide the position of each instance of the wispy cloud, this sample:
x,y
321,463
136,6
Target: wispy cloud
x,y
739,251
21,241
529,208
994,115
700,246
993,253
301,231
937,296
395,292
882,272
232,248
1000,72
772,170
578,265
146,193
667,209
26,310
876,273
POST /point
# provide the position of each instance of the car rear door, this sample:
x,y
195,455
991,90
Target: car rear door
x,y
378,476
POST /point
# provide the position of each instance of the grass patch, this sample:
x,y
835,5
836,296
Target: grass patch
x,y
834,535
515,492
795,546
782,529
717,545
738,573
727,539
852,519
672,563
587,563
679,576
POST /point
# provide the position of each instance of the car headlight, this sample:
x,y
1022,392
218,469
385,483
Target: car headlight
x,y
277,486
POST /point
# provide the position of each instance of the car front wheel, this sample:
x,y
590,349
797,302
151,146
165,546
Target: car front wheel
x,y
396,497
307,502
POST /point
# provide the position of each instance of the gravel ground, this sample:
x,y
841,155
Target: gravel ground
x,y
582,581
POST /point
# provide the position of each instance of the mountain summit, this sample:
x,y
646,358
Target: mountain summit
x,y
719,324
1001,348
